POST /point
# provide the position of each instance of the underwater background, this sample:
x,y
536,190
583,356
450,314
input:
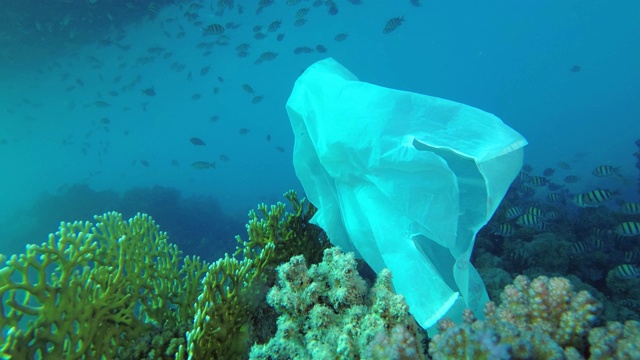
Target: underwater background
x,y
78,133
177,109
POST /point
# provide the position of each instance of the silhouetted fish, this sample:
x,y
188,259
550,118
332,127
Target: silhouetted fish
x,y
197,141
149,91
213,29
393,24
203,165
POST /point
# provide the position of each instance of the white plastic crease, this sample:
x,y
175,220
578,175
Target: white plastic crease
x,y
405,180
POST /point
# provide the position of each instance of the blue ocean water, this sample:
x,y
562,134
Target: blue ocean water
x,y
78,136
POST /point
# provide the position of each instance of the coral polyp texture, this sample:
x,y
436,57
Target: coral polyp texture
x,y
537,319
327,312
96,289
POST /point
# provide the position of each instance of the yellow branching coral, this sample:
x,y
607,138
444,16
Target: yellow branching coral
x,y
231,292
117,289
94,290
290,232
233,288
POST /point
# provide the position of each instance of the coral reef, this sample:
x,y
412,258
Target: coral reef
x,y
114,288
93,290
537,319
117,289
325,313
234,289
290,232
615,341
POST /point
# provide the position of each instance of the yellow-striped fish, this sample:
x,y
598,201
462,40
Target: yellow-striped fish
x,y
523,176
630,256
266,56
152,9
514,212
571,179
302,13
526,190
630,208
213,29
629,228
555,197
529,220
393,24
607,171
579,248
534,211
626,272
592,198
225,4
537,181
274,26
505,230
564,166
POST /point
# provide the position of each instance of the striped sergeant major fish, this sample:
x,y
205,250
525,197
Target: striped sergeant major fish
x,y
630,208
571,179
393,24
631,256
213,29
514,211
538,181
555,198
530,220
626,272
564,166
505,230
592,198
607,171
629,228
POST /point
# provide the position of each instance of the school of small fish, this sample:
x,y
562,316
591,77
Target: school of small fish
x,y
549,202
204,26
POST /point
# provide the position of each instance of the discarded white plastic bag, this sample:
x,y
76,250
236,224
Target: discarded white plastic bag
x,y
405,180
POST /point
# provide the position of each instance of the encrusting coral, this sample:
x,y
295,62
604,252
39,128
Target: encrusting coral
x,y
325,313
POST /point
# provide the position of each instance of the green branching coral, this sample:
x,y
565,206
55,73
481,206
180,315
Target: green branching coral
x,y
95,290
117,289
235,286
290,232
